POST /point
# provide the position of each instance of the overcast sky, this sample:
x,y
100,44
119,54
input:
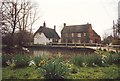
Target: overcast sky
x,y
100,13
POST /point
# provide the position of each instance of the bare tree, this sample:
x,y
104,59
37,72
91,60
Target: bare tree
x,y
118,28
18,16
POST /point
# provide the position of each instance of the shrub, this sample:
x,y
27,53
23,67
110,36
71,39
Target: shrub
x,y
55,69
5,58
40,60
77,60
88,60
21,60
113,59
99,61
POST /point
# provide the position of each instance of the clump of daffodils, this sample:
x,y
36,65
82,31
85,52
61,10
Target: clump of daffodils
x,y
11,63
42,63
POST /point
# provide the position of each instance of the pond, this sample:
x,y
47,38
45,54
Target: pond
x,y
65,52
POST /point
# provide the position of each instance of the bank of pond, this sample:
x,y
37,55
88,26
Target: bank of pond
x,y
100,65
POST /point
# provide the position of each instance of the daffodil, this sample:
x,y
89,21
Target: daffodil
x,y
41,63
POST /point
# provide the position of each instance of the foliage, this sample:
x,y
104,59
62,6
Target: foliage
x,y
5,58
110,72
95,60
77,60
19,38
40,60
22,60
19,60
80,66
55,69
19,16
20,73
112,59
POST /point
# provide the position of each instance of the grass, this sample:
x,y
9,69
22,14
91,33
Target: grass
x,y
21,73
75,67
110,72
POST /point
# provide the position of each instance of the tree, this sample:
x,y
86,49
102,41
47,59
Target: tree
x,y
116,32
18,16
118,28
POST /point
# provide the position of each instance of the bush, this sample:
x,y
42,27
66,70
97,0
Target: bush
x,y
113,59
5,58
96,60
88,60
55,69
40,60
77,60
21,60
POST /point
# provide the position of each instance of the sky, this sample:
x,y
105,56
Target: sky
x,y
99,13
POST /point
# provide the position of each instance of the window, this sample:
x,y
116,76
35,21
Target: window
x,y
79,41
72,34
66,40
79,34
84,34
73,41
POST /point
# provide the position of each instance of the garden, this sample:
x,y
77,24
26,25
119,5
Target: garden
x,y
100,65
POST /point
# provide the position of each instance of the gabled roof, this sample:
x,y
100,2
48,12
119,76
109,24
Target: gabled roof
x,y
48,32
76,28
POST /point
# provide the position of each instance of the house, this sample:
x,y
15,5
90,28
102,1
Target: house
x,y
45,35
79,34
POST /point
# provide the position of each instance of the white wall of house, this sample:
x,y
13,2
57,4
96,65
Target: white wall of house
x,y
41,39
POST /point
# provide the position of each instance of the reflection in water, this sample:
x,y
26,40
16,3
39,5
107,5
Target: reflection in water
x,y
61,51
65,52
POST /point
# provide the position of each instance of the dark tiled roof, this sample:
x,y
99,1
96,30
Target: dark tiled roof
x,y
76,28
49,33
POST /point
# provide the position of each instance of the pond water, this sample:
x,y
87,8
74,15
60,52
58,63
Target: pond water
x,y
65,52
59,51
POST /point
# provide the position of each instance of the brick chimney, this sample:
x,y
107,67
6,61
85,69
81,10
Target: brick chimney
x,y
54,27
64,24
44,24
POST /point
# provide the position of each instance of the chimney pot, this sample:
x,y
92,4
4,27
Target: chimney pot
x,y
64,24
44,24
54,27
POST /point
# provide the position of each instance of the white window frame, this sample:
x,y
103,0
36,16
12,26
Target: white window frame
x,y
79,34
84,34
72,34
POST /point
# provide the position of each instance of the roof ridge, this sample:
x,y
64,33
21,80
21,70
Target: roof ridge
x,y
46,27
78,25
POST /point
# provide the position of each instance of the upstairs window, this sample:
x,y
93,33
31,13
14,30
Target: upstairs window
x,y
79,34
72,34
84,34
